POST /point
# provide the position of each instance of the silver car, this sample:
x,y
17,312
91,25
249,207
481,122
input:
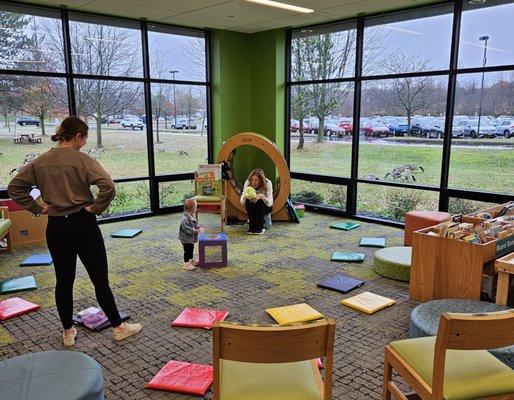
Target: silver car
x,y
486,130
505,127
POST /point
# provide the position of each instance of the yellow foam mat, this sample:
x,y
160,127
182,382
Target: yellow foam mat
x,y
294,314
368,302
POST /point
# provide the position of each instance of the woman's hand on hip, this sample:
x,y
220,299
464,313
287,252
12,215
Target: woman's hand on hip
x,y
45,209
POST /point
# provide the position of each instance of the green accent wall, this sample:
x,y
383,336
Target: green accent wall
x,y
248,92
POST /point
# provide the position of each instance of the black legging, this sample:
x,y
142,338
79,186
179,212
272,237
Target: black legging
x,y
189,249
256,212
67,237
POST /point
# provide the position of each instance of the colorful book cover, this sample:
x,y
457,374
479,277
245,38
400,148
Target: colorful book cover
x,y
209,180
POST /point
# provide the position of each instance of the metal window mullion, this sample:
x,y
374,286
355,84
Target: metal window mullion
x,y
450,107
208,94
351,192
153,185
68,62
287,130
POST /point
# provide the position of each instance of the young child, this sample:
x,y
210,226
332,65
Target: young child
x,y
188,233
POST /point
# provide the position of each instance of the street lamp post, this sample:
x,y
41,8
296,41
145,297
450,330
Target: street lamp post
x,y
484,62
174,99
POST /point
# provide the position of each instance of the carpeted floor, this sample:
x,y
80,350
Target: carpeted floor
x,y
280,268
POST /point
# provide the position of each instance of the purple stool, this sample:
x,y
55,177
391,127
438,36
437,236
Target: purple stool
x,y
213,250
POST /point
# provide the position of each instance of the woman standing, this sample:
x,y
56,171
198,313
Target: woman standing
x,y
260,205
64,176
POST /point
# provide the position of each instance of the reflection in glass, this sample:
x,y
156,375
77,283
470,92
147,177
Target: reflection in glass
x,y
319,194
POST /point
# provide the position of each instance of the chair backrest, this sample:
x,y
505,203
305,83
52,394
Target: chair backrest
x,y
469,332
274,344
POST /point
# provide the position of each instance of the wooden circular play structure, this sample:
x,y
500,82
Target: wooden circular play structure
x,y
234,207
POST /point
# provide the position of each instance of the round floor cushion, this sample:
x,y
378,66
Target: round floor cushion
x,y
424,320
51,375
393,262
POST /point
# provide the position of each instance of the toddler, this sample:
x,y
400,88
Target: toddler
x,y
188,233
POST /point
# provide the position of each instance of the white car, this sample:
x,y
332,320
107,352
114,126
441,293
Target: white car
x,y
134,123
505,127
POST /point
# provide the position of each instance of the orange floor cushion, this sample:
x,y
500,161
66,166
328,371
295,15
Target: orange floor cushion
x,y
415,220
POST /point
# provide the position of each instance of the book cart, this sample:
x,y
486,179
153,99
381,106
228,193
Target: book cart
x,y
446,268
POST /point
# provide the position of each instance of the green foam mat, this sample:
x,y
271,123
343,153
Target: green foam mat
x,y
372,242
345,226
18,285
347,257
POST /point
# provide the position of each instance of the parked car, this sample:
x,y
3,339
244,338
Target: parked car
x,y
377,129
132,122
23,121
505,127
398,126
114,120
347,125
294,125
332,128
457,130
182,123
486,130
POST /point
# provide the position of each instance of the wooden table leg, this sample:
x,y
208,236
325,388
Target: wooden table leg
x,y
502,290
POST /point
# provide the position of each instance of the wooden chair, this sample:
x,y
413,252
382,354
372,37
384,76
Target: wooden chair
x,y
5,228
211,204
272,362
442,367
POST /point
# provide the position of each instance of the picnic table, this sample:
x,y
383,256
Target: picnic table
x,y
27,138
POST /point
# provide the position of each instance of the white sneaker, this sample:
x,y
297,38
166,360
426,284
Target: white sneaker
x,y
69,340
194,262
188,266
127,331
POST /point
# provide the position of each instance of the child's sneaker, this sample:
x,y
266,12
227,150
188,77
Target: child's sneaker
x,y
261,232
69,340
189,266
126,331
194,261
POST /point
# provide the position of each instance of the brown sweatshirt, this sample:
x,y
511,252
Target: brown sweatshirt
x,y
64,176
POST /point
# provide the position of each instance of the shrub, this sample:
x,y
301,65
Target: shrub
x,y
308,197
463,206
338,196
399,202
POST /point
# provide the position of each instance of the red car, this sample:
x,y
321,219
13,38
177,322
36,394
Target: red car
x,y
347,125
377,129
294,125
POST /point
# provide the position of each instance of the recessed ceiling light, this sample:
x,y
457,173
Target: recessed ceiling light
x,y
476,1
282,5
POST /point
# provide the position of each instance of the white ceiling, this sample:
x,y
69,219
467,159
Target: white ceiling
x,y
234,15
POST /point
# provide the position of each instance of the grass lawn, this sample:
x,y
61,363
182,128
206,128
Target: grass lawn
x,y
124,155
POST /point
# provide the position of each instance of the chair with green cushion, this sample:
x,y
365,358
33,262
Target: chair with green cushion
x,y
272,362
5,228
454,365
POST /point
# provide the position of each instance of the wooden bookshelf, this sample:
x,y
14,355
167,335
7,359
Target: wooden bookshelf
x,y
444,268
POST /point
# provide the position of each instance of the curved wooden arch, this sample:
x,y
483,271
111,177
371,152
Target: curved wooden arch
x,y
266,145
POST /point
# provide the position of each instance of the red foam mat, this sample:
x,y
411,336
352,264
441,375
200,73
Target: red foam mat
x,y
199,318
14,307
183,377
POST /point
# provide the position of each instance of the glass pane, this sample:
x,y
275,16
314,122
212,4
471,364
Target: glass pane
x,y
323,53
322,148
30,42
179,126
465,206
114,111
483,133
31,107
103,48
319,194
411,41
131,198
402,127
392,203
174,193
491,20
177,54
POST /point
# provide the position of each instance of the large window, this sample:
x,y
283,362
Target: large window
x,y
404,152
142,122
